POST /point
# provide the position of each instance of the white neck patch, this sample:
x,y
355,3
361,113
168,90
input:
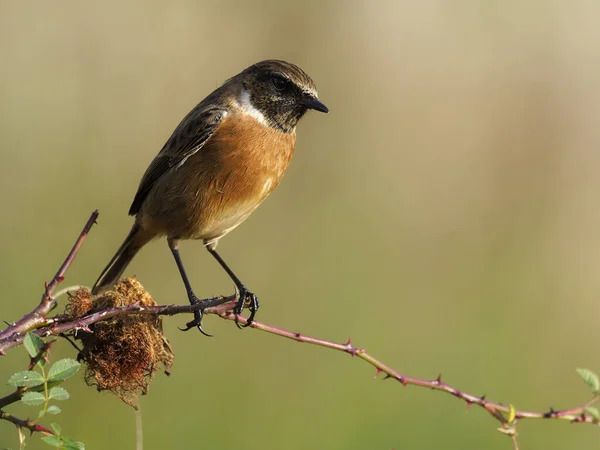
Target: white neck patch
x,y
248,108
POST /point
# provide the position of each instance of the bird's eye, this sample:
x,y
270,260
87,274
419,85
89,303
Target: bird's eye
x,y
279,82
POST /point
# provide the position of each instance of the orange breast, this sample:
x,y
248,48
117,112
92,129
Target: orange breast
x,y
219,186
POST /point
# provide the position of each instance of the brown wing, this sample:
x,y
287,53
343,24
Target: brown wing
x,y
188,138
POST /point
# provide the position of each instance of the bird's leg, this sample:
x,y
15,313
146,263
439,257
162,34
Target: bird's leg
x,y
197,322
246,297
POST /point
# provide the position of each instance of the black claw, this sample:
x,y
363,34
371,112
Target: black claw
x,y
197,322
244,296
237,310
199,326
253,307
246,299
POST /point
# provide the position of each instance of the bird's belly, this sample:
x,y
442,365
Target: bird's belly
x,y
221,185
212,232
232,208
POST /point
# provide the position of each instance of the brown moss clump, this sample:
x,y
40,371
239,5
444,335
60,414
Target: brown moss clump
x,y
123,353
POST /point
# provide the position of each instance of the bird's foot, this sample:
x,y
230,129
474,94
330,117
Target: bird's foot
x,y
198,314
245,299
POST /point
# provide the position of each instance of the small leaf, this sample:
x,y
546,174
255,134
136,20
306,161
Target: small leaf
x,y
63,369
33,344
33,398
591,379
512,413
54,441
70,444
56,428
27,378
53,409
593,411
58,393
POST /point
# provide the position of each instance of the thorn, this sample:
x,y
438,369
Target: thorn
x,y
378,372
482,398
349,343
469,403
46,284
550,413
438,380
41,429
297,335
387,375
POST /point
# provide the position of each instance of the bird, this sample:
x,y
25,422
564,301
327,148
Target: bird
x,y
221,162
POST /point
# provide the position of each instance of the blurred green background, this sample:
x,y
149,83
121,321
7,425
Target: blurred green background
x,y
444,214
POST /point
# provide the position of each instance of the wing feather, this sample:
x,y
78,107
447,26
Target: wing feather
x,y
188,138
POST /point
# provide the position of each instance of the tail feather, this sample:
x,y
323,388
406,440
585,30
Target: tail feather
x,y
134,241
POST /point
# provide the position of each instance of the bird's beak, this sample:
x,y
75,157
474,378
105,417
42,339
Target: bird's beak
x,y
314,103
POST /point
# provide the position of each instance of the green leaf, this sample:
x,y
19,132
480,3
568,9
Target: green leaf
x,y
33,398
56,428
512,413
63,369
53,409
591,379
58,393
27,378
54,441
33,344
70,444
593,411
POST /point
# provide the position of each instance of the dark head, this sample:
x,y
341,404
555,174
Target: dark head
x,y
278,93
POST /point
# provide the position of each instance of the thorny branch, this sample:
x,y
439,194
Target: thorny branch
x,y
222,306
496,410
27,424
37,317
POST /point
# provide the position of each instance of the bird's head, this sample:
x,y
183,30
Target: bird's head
x,y
278,93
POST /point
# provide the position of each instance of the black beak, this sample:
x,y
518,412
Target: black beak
x,y
314,103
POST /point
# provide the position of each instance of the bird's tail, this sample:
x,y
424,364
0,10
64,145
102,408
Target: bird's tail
x,y
134,241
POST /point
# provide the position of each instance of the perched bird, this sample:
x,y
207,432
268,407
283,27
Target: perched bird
x,y
223,159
